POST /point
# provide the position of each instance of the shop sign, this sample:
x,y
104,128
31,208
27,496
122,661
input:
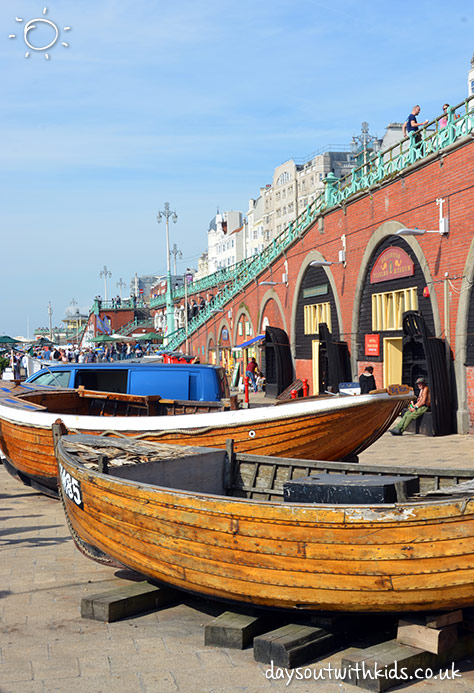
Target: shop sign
x,y
225,335
320,290
393,263
372,345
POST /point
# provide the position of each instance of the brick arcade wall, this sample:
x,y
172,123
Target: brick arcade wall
x,y
410,199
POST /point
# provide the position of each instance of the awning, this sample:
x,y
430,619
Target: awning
x,y
244,345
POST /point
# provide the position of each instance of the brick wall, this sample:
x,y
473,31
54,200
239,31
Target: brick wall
x,y
409,199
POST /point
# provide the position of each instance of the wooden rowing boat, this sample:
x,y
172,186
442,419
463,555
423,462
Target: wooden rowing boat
x,y
321,428
216,524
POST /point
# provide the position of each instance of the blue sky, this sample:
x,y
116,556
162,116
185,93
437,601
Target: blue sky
x,y
189,102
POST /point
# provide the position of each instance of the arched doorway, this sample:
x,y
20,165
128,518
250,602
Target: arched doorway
x,y
394,283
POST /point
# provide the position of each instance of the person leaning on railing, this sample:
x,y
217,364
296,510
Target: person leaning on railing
x,y
415,409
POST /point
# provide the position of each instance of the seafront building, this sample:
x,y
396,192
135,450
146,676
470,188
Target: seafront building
x,y
377,267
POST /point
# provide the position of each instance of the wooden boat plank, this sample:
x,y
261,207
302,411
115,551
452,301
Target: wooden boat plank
x,y
453,550
345,565
422,515
312,536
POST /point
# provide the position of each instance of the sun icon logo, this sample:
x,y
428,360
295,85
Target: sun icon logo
x,y
44,24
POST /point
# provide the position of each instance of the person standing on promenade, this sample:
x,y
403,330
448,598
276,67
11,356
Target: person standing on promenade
x,y
252,372
416,409
412,125
367,380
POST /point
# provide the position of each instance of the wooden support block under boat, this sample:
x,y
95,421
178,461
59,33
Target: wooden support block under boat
x,y
128,600
294,644
235,630
435,640
389,664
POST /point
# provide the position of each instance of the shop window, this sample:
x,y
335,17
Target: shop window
x,y
316,314
388,308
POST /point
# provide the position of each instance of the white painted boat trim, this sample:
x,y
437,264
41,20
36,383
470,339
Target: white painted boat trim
x,y
239,417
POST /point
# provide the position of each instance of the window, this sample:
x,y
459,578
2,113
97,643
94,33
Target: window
x,y
284,177
240,329
57,378
388,308
316,314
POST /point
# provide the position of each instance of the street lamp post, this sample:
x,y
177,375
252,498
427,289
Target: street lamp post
x,y
121,285
106,274
167,213
176,253
50,314
186,306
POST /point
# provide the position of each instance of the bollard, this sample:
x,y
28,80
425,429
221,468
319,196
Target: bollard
x,y
305,387
294,394
246,389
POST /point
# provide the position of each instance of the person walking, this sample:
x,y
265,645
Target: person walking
x,y
252,371
411,124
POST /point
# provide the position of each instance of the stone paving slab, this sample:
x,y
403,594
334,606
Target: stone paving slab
x,y
45,646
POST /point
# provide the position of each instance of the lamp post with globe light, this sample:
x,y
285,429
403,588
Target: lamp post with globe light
x,y
167,213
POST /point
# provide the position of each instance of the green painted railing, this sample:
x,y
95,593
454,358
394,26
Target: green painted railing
x,y
134,324
379,168
126,304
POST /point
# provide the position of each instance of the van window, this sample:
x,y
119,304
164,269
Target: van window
x,y
113,380
168,383
57,378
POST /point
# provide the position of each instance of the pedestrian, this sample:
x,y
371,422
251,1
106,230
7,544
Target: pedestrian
x,y
415,409
412,125
367,380
252,372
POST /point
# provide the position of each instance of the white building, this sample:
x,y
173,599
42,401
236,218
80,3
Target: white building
x,y
253,227
225,241
294,186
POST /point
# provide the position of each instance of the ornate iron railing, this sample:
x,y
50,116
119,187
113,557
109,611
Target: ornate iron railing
x,y
432,138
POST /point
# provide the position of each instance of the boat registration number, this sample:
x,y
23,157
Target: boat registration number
x,y
71,486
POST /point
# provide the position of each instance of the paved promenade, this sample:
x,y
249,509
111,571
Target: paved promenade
x,y
46,646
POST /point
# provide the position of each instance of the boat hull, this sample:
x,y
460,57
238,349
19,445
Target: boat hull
x,y
404,557
339,430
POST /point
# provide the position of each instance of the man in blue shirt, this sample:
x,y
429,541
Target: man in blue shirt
x,y
411,124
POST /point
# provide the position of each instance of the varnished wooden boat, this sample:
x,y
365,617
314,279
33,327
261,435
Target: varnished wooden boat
x,y
333,428
216,524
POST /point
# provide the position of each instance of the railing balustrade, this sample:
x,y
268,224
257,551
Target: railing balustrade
x,y
379,168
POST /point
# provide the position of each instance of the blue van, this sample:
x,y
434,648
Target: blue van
x,y
182,381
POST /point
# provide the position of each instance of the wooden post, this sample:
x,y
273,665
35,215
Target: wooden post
x,y
103,464
246,390
305,387
294,394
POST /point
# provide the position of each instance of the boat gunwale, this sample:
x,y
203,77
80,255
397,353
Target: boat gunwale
x,y
297,409
345,509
